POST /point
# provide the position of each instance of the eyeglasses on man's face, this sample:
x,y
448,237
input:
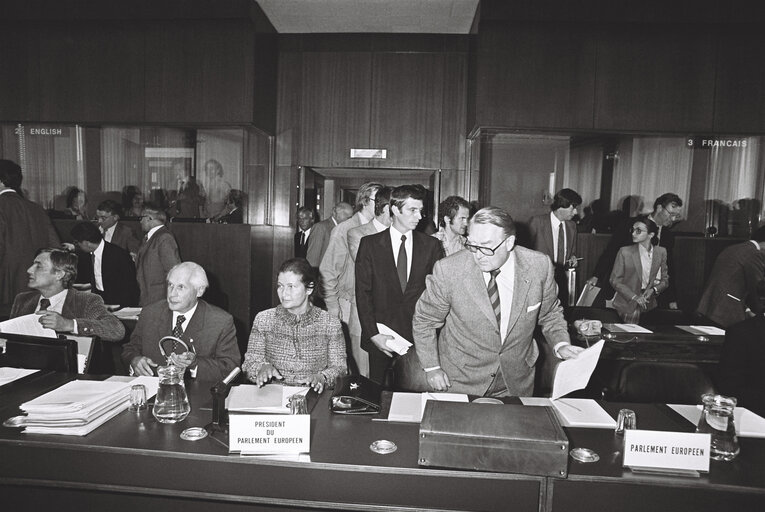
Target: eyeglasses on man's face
x,y
486,251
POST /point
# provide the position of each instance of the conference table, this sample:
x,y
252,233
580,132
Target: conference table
x,y
133,462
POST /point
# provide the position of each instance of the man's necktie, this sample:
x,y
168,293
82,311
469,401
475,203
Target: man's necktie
x,y
178,329
302,238
44,304
401,263
494,295
561,245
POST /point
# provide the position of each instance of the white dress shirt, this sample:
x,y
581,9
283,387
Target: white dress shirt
x,y
555,222
395,240
98,255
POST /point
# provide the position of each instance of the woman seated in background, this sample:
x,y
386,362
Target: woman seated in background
x,y
132,201
296,342
640,271
76,203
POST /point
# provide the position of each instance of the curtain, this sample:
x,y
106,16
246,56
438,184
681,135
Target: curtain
x,y
583,172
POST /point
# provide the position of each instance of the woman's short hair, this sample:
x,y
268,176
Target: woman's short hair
x,y
308,275
496,216
650,226
64,261
71,196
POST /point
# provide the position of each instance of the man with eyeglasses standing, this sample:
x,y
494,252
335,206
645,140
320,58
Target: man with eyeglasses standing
x,y
487,301
156,256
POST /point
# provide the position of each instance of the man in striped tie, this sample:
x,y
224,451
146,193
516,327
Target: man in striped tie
x,y
487,301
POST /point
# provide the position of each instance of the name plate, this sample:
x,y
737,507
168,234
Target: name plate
x,y
269,433
657,450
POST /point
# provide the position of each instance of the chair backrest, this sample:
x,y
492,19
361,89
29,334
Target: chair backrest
x,y
661,382
58,354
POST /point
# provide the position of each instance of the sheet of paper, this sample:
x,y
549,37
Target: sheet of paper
x,y
398,344
10,374
271,398
28,325
574,374
582,412
409,407
748,424
708,329
587,297
128,313
630,328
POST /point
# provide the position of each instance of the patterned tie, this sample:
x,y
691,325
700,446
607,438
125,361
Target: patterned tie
x,y
44,304
494,295
401,264
561,245
178,329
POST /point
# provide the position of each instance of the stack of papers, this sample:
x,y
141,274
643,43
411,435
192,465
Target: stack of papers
x,y
80,406
270,399
408,407
127,313
748,424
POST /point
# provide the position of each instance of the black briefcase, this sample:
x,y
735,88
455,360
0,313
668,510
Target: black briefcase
x,y
488,437
355,394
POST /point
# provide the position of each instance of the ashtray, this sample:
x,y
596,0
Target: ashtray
x,y
193,434
488,400
584,455
383,446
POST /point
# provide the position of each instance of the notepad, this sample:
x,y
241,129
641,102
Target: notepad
x,y
270,399
408,407
748,424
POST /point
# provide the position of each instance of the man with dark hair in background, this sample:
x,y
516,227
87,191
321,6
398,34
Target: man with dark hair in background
x,y
320,232
157,255
61,307
453,213
305,220
554,234
108,214
24,229
112,268
391,267
666,212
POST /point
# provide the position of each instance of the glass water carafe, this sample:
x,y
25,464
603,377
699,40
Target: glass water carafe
x,y
717,420
172,403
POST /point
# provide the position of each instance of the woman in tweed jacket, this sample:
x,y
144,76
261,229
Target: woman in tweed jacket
x,y
296,342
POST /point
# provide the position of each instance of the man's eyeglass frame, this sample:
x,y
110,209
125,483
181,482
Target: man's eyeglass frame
x,y
484,250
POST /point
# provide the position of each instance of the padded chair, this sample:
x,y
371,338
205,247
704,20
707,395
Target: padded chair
x,y
659,382
607,316
660,316
57,354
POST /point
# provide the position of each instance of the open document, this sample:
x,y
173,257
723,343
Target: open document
x,y
398,344
28,325
574,374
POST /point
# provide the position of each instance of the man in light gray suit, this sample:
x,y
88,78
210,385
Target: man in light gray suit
x,y
487,301
319,239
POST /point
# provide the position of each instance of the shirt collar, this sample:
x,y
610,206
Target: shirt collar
x,y
111,229
57,301
6,190
398,234
153,230
555,221
187,315
99,252
379,226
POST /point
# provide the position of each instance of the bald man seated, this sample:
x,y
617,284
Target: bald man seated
x,y
209,349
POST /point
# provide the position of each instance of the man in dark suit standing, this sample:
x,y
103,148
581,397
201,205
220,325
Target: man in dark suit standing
x,y
112,269
305,223
205,328
390,276
61,307
319,240
730,294
108,214
24,229
157,255
554,234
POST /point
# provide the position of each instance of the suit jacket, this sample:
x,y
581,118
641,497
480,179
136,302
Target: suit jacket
x,y
24,228
378,294
540,227
356,234
337,266
86,308
741,361
301,250
627,276
469,348
318,241
732,284
155,258
210,330
118,274
125,238
235,216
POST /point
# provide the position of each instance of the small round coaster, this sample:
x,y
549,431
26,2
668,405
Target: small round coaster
x,y
488,400
193,434
383,446
584,455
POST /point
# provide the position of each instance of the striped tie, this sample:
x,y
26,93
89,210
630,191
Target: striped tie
x,y
494,295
